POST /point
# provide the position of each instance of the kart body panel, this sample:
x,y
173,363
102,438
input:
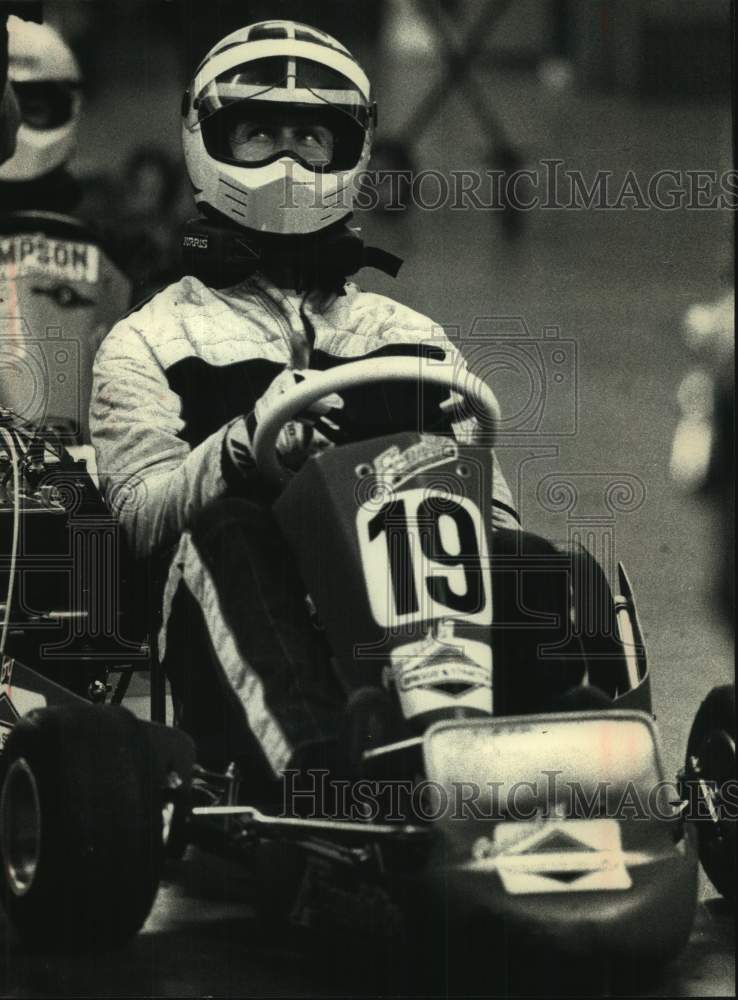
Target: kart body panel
x,y
369,524
367,557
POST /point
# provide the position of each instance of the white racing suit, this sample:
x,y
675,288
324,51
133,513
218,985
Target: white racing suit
x,y
168,381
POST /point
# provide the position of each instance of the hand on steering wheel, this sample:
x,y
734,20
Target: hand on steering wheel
x,y
303,435
292,401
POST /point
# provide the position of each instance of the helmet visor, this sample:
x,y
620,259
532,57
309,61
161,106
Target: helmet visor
x,y
46,104
267,108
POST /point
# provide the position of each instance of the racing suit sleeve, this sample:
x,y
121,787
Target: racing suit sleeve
x,y
149,476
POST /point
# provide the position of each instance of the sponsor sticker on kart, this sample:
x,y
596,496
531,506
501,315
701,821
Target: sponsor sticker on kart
x,y
442,669
559,856
424,556
441,658
396,465
34,253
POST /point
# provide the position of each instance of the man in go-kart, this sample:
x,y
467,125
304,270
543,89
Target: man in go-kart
x,y
277,125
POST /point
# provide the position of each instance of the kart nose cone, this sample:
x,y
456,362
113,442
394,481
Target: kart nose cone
x,y
643,909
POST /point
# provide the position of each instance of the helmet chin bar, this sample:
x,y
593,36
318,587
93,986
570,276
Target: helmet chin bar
x,y
38,152
280,197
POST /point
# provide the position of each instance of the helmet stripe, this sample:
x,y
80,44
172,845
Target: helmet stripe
x,y
250,51
289,94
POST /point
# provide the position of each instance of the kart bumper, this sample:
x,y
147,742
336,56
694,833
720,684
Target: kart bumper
x,y
650,920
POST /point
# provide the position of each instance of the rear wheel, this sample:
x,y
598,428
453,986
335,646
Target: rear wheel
x,y
709,766
81,839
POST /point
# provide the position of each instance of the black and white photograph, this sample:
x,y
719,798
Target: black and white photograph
x,y
367,498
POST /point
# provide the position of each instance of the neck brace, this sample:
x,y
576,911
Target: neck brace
x,y
220,255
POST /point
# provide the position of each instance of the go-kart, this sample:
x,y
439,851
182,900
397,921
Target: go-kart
x,y
493,684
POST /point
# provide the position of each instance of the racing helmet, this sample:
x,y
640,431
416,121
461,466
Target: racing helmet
x,y
277,70
47,80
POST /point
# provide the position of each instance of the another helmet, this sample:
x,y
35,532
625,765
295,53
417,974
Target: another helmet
x,y
46,79
275,67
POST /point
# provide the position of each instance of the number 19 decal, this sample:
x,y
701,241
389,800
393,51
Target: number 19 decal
x,y
425,556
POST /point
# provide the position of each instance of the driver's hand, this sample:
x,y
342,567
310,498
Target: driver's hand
x,y
287,380
298,438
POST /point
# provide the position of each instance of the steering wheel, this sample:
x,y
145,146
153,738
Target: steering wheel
x,y
476,398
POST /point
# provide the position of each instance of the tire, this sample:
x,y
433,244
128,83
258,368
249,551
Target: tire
x,y
711,756
80,827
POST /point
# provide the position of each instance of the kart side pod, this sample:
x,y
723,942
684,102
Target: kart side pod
x,y
561,829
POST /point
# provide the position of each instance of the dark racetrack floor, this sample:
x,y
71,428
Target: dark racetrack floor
x,y
616,285
201,940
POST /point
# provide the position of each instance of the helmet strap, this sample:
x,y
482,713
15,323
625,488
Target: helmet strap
x,y
222,254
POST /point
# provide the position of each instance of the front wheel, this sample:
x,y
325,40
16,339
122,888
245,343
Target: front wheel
x,y
80,827
710,765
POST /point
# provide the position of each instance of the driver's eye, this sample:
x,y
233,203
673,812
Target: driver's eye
x,y
247,133
250,140
316,142
308,135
